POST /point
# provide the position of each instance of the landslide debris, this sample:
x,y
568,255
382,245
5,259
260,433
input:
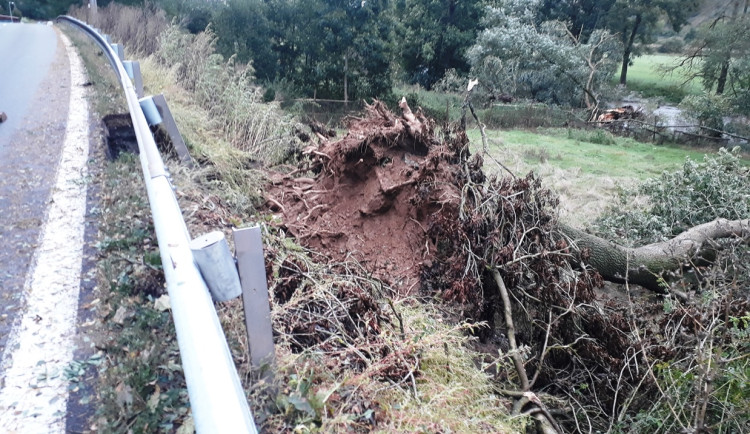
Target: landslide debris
x,y
414,207
377,193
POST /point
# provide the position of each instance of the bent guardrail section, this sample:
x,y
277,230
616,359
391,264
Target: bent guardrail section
x,y
217,399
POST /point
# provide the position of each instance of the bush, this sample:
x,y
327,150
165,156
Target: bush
x,y
226,90
709,109
526,116
598,136
451,82
701,370
699,193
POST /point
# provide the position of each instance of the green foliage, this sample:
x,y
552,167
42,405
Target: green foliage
x,y
724,50
451,82
709,109
243,29
39,9
672,45
326,48
526,116
426,52
517,55
581,16
711,386
194,15
596,135
634,21
699,193
726,403
702,377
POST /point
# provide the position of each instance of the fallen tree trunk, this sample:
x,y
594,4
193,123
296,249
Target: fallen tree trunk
x,y
645,265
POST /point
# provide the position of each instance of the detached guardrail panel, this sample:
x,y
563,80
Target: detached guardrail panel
x,y
217,399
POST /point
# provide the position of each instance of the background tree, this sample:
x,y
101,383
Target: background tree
x,y
243,29
635,21
434,36
340,49
544,61
720,53
582,17
40,9
334,49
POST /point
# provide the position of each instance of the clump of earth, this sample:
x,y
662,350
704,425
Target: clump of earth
x,y
376,193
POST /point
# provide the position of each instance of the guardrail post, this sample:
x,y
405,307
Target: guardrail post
x,y
252,267
157,112
174,133
119,50
133,68
150,111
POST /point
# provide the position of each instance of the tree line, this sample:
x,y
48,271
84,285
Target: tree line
x,y
562,52
357,49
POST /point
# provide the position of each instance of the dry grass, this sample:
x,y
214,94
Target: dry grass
x,y
226,91
583,196
453,394
139,27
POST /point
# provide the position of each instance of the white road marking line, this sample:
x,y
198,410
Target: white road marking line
x,y
35,390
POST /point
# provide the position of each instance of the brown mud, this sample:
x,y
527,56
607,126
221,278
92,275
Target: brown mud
x,y
376,193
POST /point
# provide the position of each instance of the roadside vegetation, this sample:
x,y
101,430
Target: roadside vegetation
x,y
552,350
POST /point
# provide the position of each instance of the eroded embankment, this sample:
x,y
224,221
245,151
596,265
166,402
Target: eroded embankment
x,y
376,193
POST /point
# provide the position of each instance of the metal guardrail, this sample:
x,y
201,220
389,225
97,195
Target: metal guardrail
x,y
217,399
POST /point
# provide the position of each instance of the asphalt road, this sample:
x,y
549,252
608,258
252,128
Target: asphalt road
x,y
36,103
43,200
26,53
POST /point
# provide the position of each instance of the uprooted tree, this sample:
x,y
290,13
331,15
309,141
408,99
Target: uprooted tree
x,y
416,208
648,265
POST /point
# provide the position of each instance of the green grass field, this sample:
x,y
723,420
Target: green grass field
x,y
594,152
586,168
647,76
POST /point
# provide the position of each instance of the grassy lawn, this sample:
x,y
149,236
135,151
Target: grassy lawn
x,y
593,152
586,168
647,77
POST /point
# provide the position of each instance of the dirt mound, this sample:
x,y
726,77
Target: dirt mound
x,y
376,194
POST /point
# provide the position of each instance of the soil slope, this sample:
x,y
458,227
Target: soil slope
x,y
377,192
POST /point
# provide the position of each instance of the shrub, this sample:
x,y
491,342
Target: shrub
x,y
226,90
451,82
699,193
709,109
698,357
598,136
526,116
